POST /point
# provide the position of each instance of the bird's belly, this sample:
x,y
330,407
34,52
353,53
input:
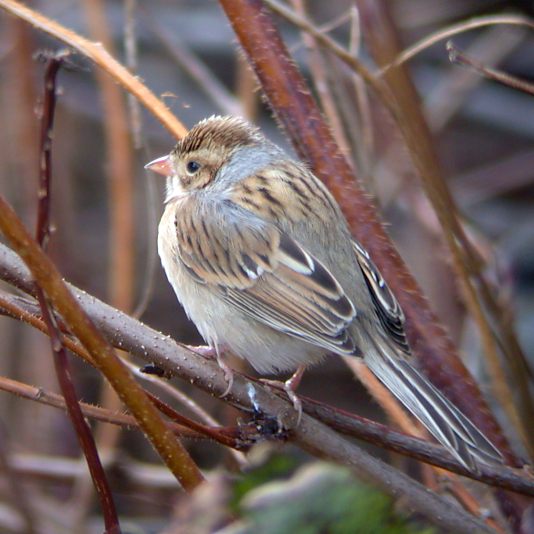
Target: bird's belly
x,y
222,325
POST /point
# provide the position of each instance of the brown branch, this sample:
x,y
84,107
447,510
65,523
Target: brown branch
x,y
28,312
131,335
297,111
382,436
455,29
48,398
461,58
61,362
48,277
99,55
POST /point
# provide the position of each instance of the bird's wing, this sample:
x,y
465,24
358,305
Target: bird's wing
x,y
386,306
267,275
448,424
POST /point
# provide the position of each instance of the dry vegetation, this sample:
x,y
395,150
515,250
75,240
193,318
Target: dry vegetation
x,y
425,107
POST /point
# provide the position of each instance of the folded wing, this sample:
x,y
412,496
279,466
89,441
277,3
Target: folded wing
x,y
267,275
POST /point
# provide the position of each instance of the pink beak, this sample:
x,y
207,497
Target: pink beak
x,y
161,166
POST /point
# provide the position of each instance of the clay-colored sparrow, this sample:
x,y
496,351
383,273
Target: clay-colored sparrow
x,y
261,257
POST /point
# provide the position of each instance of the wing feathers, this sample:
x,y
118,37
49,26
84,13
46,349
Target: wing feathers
x,y
268,275
444,421
389,312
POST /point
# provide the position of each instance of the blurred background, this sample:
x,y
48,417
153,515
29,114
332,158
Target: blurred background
x,y
106,207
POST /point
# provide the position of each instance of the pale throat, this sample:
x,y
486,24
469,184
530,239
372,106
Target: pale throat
x,y
174,189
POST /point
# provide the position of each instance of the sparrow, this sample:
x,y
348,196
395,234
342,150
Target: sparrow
x,y
261,258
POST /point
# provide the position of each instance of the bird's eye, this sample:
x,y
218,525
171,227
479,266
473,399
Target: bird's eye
x,y
192,167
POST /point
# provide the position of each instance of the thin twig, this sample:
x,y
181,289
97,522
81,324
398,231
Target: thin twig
x,y
318,71
49,398
455,29
451,92
22,310
99,55
131,53
61,362
48,277
131,335
327,42
461,58
194,68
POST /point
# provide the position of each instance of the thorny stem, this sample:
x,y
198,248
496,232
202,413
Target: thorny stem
x,y
292,102
61,362
128,333
48,277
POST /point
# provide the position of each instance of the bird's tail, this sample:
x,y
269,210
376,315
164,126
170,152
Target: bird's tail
x,y
442,419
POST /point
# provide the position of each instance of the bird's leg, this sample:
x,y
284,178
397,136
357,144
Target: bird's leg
x,y
289,386
217,352
228,373
293,382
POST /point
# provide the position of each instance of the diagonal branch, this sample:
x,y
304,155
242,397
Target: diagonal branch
x,y
49,278
311,435
100,56
151,346
295,108
61,361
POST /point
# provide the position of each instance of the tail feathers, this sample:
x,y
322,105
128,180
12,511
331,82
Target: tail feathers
x,y
442,419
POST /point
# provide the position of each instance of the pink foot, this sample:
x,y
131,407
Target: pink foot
x,y
215,352
289,386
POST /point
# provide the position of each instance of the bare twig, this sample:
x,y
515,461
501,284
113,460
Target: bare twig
x,y
451,92
130,48
48,398
317,66
22,310
455,29
327,42
97,53
461,58
131,335
48,277
61,362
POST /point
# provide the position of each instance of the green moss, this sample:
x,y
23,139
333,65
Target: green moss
x,y
319,499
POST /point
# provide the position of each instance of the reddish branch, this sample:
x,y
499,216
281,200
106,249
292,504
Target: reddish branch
x,y
311,435
296,109
128,334
61,362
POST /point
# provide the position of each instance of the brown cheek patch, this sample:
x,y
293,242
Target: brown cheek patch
x,y
204,177
186,181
